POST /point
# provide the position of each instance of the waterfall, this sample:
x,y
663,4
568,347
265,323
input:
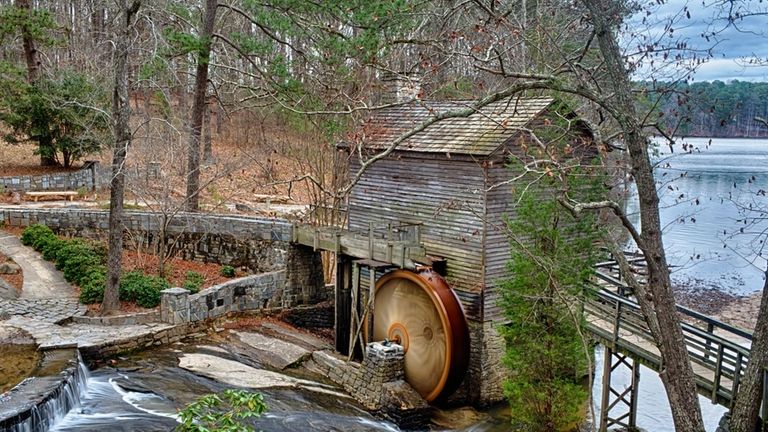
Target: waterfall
x,y
58,403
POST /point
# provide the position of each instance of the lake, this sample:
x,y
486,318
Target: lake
x,y
705,194
706,188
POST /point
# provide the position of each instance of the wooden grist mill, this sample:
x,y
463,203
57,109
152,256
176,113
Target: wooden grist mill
x,y
425,242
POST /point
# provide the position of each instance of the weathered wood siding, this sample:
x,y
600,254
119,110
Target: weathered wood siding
x,y
446,196
499,206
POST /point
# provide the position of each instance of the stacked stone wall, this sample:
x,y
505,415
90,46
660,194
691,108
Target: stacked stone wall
x,y
378,383
87,177
178,306
320,316
255,244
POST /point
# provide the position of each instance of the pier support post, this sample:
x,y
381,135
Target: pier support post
x,y
618,407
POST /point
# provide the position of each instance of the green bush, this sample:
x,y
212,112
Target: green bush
x,y
33,233
76,267
141,288
92,285
194,281
51,246
227,271
73,249
230,410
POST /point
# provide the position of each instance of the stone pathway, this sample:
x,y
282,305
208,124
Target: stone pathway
x,y
52,311
82,335
47,303
41,279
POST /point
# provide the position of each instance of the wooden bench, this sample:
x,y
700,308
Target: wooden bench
x,y
37,194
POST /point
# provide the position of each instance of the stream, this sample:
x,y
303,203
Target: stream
x,y
143,392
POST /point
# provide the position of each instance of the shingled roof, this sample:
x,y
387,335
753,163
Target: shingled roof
x,y
480,134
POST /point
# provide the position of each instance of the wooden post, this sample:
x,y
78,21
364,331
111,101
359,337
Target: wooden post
x,y
370,240
606,390
626,396
342,302
355,308
371,297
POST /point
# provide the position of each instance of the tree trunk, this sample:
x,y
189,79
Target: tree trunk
x,y
207,136
677,373
198,106
121,116
32,57
744,416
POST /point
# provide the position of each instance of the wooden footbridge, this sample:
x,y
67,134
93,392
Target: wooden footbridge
x,y
719,352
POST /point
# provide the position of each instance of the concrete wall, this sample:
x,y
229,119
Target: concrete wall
x,y
90,177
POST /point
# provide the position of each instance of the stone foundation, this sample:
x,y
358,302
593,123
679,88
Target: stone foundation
x,y
319,316
378,383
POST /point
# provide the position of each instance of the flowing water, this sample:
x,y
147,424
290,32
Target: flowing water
x,y
145,392
63,401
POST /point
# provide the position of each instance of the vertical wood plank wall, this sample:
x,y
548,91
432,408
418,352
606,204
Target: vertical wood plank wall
x,y
446,195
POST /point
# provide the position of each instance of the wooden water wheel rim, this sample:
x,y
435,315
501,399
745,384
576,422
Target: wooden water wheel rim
x,y
453,347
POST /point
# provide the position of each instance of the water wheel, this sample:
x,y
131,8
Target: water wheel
x,y
422,314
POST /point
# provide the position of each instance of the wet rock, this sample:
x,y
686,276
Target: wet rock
x,y
9,268
272,351
132,386
237,374
7,291
459,418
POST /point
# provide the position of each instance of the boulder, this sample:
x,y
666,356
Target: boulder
x,y
271,351
9,268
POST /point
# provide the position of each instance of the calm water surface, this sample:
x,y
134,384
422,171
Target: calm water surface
x,y
705,196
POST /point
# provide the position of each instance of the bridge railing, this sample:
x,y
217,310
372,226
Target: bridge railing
x,y
718,358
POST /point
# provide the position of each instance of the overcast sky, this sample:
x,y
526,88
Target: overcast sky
x,y
729,47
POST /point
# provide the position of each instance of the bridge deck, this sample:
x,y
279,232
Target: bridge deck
x,y
399,245
719,352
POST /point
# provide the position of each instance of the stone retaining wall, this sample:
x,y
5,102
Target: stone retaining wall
x,y
319,316
256,244
178,306
95,353
88,177
378,383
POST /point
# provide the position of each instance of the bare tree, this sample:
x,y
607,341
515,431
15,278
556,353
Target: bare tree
x,y
121,117
199,105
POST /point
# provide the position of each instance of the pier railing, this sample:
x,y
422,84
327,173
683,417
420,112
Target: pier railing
x,y
718,351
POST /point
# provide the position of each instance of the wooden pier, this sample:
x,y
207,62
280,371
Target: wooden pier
x,y
719,352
